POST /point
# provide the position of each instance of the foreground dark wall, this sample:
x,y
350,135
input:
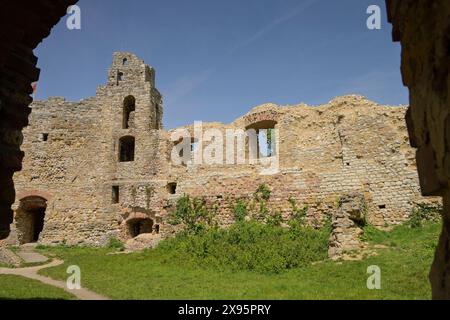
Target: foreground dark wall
x,y
23,25
423,28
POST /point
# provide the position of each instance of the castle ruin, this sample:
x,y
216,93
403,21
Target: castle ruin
x,y
103,167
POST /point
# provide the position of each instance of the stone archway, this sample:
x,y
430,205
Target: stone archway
x,y
23,25
29,219
138,226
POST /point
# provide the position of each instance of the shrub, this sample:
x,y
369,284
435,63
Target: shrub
x,y
263,212
424,212
240,210
298,214
116,244
250,245
274,219
262,193
192,213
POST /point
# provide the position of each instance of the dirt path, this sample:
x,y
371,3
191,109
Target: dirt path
x,y
32,273
27,254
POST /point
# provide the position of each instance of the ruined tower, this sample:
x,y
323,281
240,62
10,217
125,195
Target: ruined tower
x,y
131,117
130,78
132,122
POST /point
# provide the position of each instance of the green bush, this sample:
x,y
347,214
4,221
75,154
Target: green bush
x,y
116,244
240,210
263,212
424,212
192,213
298,214
262,193
274,219
250,245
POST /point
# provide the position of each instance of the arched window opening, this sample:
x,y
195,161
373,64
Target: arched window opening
x,y
172,188
125,62
265,136
129,107
126,149
120,77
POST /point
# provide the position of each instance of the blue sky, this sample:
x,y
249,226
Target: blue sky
x,y
216,59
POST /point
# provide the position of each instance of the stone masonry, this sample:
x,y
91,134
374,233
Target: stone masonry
x,y
423,29
102,167
347,222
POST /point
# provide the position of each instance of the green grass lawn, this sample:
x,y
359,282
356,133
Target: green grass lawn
x,y
16,287
153,274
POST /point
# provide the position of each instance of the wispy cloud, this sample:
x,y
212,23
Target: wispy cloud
x,y
185,85
376,85
273,24
372,82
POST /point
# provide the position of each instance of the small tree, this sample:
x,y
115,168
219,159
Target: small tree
x,y
261,196
298,214
192,213
424,212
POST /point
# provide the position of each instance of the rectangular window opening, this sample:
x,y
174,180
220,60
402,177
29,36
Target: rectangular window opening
x,y
115,194
43,137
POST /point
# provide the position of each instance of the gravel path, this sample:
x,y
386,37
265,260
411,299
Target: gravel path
x,y
32,273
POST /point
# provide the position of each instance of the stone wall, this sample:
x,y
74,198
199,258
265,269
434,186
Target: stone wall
x,y
347,222
349,144
73,161
23,25
63,146
423,28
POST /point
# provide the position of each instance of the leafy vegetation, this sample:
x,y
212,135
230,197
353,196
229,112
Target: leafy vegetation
x,y
298,214
193,214
424,212
196,216
116,244
259,244
240,210
253,246
263,193
161,274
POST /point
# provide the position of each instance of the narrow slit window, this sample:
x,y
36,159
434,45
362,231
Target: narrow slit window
x,y
115,194
43,137
129,108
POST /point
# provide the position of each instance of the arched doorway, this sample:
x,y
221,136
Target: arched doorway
x,y
139,226
30,219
